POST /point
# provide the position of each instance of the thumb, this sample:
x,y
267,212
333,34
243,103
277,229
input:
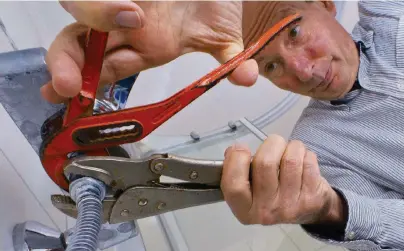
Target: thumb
x,y
245,74
106,16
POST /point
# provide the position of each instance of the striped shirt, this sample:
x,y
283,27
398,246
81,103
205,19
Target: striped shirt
x,y
359,140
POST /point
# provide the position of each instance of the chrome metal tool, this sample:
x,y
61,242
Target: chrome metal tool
x,y
137,188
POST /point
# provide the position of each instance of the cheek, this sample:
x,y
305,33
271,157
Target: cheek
x,y
288,83
319,46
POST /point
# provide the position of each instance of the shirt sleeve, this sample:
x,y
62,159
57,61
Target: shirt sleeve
x,y
373,223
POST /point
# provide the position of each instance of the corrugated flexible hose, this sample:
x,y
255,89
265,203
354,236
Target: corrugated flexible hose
x,y
88,194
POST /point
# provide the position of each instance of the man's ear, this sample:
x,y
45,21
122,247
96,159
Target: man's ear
x,y
330,7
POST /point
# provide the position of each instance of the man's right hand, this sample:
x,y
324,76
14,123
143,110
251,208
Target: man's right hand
x,y
145,35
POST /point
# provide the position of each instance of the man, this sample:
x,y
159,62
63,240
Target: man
x,y
341,175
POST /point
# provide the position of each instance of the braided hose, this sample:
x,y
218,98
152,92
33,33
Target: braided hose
x,y
88,194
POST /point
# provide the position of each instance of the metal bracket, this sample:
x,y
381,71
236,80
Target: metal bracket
x,y
32,235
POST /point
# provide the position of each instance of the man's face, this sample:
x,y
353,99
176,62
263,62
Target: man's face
x,y
315,56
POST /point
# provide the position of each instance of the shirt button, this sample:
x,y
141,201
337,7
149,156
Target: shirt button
x,y
351,235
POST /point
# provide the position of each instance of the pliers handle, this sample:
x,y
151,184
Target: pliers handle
x,y
93,134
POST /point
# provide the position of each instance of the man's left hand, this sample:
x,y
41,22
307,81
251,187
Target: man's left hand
x,y
286,186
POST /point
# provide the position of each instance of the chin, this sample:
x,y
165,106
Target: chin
x,y
338,89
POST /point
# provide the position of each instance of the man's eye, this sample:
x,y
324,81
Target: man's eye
x,y
270,67
294,32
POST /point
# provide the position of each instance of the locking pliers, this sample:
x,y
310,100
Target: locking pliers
x,y
146,187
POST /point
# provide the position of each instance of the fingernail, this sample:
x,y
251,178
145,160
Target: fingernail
x,y
129,19
236,147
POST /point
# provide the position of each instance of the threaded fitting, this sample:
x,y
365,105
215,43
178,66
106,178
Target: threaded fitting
x,y
88,194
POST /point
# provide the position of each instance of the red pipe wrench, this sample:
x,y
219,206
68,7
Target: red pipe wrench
x,y
78,130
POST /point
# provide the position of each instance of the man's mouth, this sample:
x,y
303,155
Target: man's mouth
x,y
328,76
327,80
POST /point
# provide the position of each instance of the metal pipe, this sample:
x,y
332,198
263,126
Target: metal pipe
x,y
23,62
252,128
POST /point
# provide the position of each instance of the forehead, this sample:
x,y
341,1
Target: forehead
x,y
283,10
271,47
265,15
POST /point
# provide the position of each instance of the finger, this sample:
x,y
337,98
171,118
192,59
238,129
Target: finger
x,y
106,16
311,177
50,95
291,171
244,75
265,169
120,64
64,59
235,182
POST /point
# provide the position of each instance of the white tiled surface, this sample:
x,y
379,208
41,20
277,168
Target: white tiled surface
x,y
214,228
298,236
25,188
18,203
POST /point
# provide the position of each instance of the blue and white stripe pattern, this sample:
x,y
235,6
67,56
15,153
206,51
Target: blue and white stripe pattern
x,y
360,143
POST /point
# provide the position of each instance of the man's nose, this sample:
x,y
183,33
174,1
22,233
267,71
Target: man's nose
x,y
300,66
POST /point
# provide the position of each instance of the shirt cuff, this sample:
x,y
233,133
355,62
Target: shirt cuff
x,y
362,229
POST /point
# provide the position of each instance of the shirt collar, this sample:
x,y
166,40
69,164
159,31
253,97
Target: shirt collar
x,y
356,86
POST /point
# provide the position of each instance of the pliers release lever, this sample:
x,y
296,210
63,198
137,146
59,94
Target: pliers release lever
x,y
135,189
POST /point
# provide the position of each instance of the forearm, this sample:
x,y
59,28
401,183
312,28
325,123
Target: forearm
x,y
372,224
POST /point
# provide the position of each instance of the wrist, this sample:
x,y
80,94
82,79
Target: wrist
x,y
337,212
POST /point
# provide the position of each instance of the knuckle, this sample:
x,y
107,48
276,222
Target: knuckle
x,y
111,70
240,152
310,160
244,220
266,161
232,190
292,162
311,155
297,143
235,190
73,30
265,217
288,212
277,139
309,164
66,5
